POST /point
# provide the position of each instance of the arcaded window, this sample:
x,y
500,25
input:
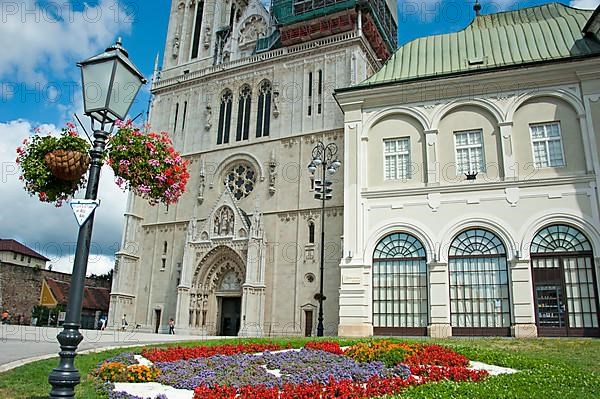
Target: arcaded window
x,y
470,156
225,117
546,141
263,120
565,284
479,293
400,284
244,106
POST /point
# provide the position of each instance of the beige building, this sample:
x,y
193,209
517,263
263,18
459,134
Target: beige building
x,y
478,212
246,95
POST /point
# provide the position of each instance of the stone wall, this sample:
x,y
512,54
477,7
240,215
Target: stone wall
x,y
20,288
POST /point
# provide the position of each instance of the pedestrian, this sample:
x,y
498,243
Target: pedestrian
x,y
21,319
124,322
103,325
5,316
171,326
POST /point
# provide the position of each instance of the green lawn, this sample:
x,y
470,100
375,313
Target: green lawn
x,y
549,368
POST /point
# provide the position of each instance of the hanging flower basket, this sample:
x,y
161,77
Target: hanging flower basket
x,y
67,165
53,168
148,165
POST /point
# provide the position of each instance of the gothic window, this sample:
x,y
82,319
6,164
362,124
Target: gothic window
x,y
263,120
400,283
224,222
197,29
184,115
310,93
241,180
320,93
564,282
479,296
225,117
244,105
311,232
176,117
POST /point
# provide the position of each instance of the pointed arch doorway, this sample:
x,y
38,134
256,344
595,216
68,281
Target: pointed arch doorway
x,y
216,293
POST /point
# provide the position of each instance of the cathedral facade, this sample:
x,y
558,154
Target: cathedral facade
x,y
246,93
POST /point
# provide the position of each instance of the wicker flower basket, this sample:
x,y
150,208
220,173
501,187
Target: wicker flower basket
x,y
67,165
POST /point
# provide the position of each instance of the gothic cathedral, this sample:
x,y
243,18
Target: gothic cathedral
x,y
246,93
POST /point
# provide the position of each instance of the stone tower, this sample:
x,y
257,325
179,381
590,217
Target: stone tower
x,y
246,93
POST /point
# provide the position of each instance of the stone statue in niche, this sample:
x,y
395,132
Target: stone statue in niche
x,y
207,35
175,47
217,230
202,183
208,118
224,222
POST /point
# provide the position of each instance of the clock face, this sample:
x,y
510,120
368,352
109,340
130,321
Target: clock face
x,y
230,282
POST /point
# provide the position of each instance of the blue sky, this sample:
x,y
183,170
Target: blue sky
x,y
41,42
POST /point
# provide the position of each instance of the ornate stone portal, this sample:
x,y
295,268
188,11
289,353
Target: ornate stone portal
x,y
222,289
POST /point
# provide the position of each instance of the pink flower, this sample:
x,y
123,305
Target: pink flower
x,y
154,162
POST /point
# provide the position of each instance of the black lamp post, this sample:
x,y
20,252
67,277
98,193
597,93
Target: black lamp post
x,y
110,84
324,156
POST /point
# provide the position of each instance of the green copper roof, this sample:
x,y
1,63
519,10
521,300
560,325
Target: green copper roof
x,y
548,32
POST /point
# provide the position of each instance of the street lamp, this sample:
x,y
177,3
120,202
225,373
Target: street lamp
x,y
110,83
324,156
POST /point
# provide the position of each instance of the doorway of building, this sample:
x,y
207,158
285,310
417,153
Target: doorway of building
x,y
308,323
230,316
564,283
157,315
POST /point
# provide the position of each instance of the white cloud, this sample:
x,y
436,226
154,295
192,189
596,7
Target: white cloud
x,y
585,4
37,37
49,230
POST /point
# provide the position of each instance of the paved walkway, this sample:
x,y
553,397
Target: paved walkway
x,y
22,344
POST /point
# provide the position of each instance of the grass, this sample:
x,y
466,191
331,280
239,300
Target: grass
x,y
549,368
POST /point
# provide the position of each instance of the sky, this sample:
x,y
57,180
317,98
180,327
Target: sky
x,y
41,43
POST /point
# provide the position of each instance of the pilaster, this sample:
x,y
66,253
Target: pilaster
x,y
439,300
523,311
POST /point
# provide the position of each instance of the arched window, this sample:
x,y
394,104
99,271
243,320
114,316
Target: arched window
x,y
400,286
311,232
263,120
244,106
479,295
564,281
165,246
225,117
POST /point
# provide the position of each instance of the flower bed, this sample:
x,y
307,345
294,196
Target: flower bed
x,y
179,353
319,370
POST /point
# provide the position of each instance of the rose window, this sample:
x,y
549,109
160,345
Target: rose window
x,y
241,180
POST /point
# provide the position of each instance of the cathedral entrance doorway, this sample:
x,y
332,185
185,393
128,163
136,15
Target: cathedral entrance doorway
x,y
231,309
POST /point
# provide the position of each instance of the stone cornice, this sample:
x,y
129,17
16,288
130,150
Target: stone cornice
x,y
471,187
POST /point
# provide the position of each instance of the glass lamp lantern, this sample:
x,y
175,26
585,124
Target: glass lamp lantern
x,y
110,83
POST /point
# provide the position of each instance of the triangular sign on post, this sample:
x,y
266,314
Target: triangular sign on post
x,y
82,209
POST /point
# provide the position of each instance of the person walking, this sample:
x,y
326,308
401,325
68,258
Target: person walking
x,y
124,322
103,324
171,326
5,317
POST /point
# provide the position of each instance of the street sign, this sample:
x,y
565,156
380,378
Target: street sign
x,y
82,209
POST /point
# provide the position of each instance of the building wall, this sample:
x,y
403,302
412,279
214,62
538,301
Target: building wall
x,y
513,199
23,260
21,287
281,198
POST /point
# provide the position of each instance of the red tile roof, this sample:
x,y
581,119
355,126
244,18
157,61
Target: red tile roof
x,y
15,246
94,298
